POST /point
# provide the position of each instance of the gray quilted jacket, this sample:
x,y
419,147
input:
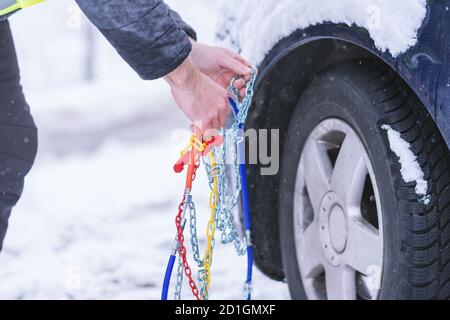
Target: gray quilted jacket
x,y
149,36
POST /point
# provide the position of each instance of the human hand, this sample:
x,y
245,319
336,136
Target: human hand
x,y
201,99
221,65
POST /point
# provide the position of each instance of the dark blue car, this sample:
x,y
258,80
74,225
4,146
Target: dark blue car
x,y
360,208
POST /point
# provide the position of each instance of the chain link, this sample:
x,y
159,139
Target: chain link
x,y
226,156
182,249
179,283
211,228
193,231
224,198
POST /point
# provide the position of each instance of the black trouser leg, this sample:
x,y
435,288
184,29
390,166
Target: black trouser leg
x,y
18,134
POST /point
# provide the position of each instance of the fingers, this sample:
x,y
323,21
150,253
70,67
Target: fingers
x,y
236,66
216,120
206,103
223,110
208,130
215,123
240,83
204,131
238,57
241,86
197,130
243,61
223,116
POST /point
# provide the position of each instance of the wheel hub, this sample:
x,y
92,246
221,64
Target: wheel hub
x,y
333,228
339,237
338,228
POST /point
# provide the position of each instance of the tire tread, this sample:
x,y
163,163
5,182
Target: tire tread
x,y
426,240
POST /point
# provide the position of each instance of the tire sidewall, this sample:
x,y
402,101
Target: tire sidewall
x,y
337,97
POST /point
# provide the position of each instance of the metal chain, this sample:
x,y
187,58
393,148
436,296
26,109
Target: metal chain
x,y
201,281
193,231
182,249
226,156
179,283
211,228
224,198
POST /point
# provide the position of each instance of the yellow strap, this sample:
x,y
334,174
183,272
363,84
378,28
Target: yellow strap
x,y
211,228
196,143
20,4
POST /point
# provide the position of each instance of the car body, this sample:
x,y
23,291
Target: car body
x,y
295,59
425,66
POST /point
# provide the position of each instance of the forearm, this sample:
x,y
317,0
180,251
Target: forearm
x,y
143,32
183,75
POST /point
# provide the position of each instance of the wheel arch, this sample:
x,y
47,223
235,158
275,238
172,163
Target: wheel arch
x,y
285,73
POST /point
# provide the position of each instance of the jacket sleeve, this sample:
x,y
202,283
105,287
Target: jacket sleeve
x,y
149,36
183,25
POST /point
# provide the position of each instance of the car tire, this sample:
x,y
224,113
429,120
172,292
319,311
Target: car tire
x,y
369,98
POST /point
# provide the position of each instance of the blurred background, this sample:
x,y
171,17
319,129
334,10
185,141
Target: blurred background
x,y
96,220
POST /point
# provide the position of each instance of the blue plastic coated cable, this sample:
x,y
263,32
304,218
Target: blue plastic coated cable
x,y
166,284
245,202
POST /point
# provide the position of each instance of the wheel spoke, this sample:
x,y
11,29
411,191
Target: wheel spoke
x,y
309,251
340,283
318,172
364,247
350,171
339,249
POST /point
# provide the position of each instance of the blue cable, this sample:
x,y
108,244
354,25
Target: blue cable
x,y
245,200
247,223
166,284
233,106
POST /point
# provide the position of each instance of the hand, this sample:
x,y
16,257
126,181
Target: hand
x,y
202,100
221,65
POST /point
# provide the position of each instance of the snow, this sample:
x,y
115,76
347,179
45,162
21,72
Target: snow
x,y
101,225
410,167
96,220
255,26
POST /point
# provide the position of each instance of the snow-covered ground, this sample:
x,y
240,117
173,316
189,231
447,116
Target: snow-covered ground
x,y
96,219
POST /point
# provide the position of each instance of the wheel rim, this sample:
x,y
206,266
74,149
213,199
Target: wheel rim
x,y
337,216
